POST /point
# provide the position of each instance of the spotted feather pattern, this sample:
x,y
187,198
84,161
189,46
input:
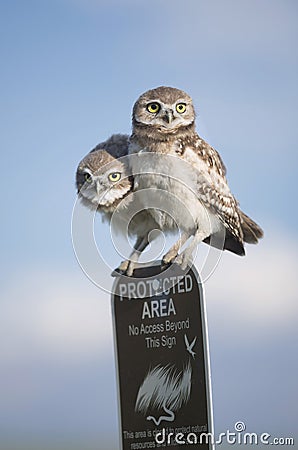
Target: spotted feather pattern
x,y
213,189
207,153
225,206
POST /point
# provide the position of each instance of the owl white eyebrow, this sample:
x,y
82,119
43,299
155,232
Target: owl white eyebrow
x,y
153,101
87,171
182,100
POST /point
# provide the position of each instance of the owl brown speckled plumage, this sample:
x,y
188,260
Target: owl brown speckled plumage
x,y
104,184
164,124
102,179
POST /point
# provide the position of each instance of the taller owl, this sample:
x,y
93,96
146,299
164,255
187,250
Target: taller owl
x,y
184,170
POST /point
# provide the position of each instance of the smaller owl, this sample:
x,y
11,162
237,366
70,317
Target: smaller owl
x,y
104,184
102,179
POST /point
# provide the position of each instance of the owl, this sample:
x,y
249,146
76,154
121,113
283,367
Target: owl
x,y
104,184
190,171
102,179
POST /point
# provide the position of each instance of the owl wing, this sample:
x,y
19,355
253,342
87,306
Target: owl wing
x,y
212,187
225,206
206,153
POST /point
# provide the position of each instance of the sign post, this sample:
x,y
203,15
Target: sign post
x,y
162,359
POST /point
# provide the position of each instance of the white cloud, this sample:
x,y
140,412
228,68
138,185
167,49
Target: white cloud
x,y
257,292
65,318
54,312
64,315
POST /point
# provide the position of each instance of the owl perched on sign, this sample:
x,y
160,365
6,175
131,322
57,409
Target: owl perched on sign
x,y
104,184
163,124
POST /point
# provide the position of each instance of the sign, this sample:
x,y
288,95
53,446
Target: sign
x,y
162,360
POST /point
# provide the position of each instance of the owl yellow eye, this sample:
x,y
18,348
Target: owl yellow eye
x,y
153,107
115,176
87,177
181,107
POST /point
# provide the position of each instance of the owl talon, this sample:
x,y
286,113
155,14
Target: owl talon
x,y
165,265
117,272
121,270
169,258
130,269
178,260
126,268
184,259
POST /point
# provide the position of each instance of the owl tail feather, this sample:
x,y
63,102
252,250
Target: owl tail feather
x,y
231,243
251,231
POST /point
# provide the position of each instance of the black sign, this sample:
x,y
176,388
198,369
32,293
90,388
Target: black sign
x,y
162,360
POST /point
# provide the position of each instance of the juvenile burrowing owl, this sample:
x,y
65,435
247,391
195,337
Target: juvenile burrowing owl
x,y
103,184
164,125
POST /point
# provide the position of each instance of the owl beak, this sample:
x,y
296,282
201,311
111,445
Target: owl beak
x,y
168,116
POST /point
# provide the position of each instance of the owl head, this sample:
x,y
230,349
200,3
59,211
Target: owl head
x,y
164,109
102,180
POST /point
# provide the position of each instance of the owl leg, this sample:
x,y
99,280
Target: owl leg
x,y
186,256
173,252
135,255
127,267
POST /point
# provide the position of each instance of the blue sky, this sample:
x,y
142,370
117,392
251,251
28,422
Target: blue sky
x,y
70,73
